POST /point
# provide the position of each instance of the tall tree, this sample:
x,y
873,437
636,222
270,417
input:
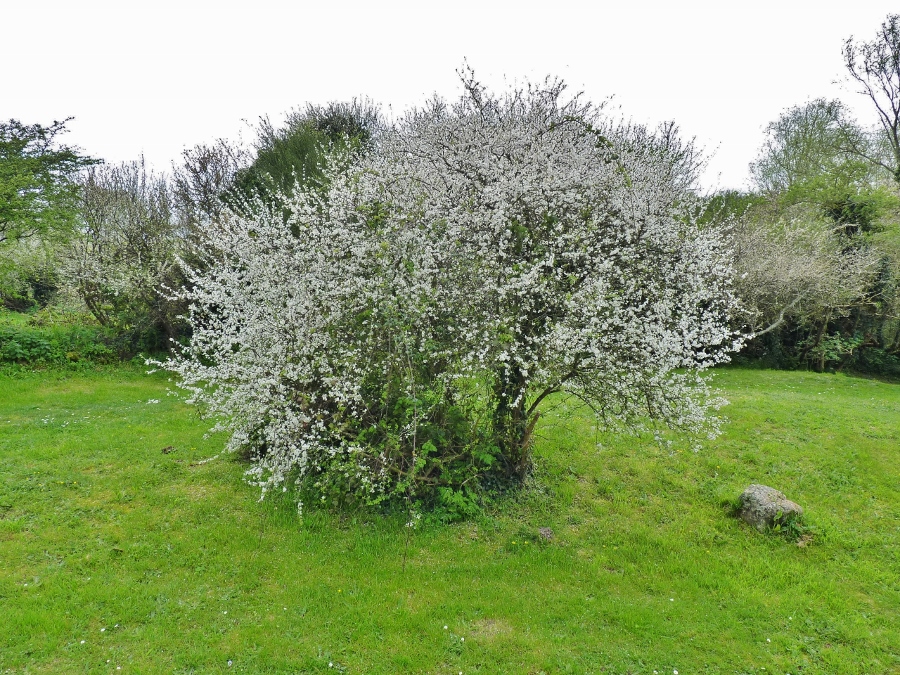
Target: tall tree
x,y
808,158
293,154
38,190
875,67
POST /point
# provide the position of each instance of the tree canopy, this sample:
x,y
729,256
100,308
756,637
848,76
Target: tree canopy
x,y
812,155
400,336
293,154
38,190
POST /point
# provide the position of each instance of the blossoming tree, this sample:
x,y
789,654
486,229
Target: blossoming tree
x,y
396,328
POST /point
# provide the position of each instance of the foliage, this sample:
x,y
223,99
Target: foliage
x,y
796,266
727,206
356,122
805,160
29,273
203,182
293,154
38,190
397,339
814,270
802,144
38,342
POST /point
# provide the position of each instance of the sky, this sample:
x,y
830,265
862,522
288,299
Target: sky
x,y
155,78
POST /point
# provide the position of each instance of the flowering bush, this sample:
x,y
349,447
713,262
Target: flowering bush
x,y
394,329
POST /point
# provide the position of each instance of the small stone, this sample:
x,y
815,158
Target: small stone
x,y
546,533
763,507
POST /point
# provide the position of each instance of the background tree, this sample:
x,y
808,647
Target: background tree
x,y
203,182
292,155
796,277
813,268
29,273
122,263
805,160
875,66
38,187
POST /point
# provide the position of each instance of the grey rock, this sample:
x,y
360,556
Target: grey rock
x,y
546,533
763,507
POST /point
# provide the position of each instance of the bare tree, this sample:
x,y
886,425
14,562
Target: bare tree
x,y
202,182
875,66
123,257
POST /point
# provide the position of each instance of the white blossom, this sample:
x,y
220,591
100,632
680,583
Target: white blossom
x,y
496,250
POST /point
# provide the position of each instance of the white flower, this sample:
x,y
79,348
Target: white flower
x,y
559,263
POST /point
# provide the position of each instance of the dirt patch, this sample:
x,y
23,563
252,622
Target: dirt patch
x,y
489,628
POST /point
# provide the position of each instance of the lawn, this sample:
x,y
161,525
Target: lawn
x,y
116,556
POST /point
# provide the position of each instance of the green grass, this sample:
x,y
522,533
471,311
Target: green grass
x,y
114,554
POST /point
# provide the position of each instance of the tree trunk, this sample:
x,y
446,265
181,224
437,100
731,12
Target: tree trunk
x,y
94,305
511,425
820,359
895,347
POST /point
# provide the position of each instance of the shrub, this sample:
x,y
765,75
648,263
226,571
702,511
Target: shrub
x,y
391,332
54,344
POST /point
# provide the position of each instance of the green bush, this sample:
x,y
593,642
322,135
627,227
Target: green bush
x,y
24,343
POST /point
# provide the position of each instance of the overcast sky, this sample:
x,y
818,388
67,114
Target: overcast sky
x,y
156,77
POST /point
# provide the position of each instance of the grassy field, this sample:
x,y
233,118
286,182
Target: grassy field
x,y
118,557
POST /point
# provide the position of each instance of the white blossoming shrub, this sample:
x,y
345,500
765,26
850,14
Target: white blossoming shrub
x,y
393,332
